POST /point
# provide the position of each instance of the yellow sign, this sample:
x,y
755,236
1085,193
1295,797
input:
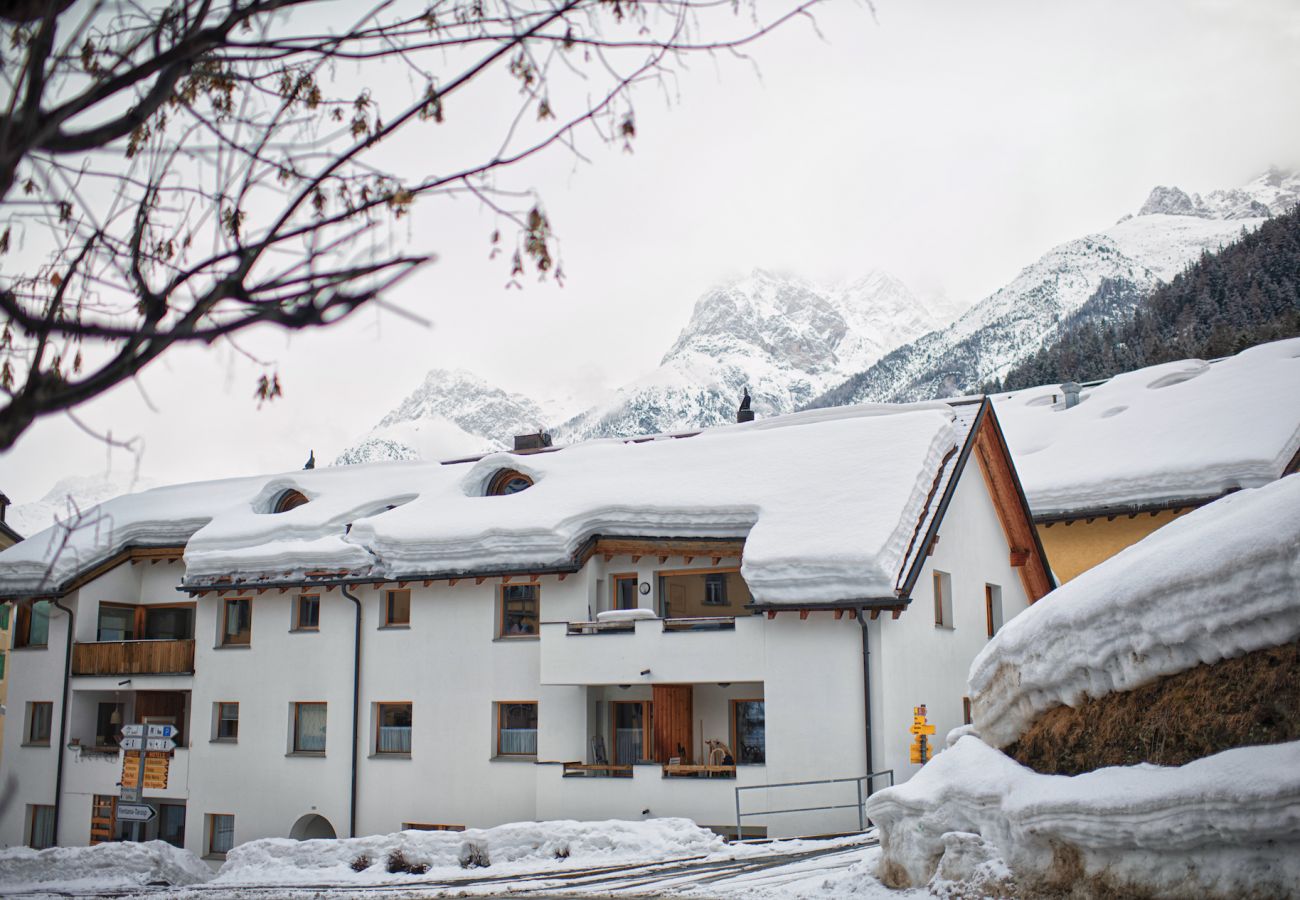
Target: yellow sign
x,y
156,769
921,729
920,749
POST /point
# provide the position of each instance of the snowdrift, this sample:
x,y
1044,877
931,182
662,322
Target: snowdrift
x,y
113,866
1216,583
1227,825
515,847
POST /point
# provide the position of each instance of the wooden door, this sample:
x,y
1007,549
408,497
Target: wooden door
x,y
673,710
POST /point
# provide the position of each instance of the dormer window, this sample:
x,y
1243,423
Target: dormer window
x,y
508,481
290,499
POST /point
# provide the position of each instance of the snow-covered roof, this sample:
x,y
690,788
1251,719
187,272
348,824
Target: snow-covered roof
x,y
828,502
1178,431
1219,582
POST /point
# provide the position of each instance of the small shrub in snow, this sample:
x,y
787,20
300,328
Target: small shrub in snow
x,y
474,856
361,863
397,863
562,852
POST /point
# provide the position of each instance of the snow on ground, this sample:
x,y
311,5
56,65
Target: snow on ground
x,y
102,867
1174,431
1219,582
811,533
1228,824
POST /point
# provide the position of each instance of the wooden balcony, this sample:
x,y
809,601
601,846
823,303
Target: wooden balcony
x,y
134,658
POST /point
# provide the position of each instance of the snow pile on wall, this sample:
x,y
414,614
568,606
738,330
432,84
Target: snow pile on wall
x,y
1174,431
827,501
1214,584
103,866
513,847
1228,824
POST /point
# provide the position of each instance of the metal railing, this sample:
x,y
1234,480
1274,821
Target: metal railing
x,y
860,805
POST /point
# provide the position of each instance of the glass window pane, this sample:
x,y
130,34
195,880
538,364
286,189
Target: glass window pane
x,y
169,623
309,729
518,732
519,610
116,623
308,612
238,624
171,824
394,728
42,829
751,739
38,635
228,721
397,608
223,834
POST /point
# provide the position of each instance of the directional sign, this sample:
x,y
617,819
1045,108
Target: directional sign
x,y
165,744
135,812
129,794
133,730
160,731
922,729
131,743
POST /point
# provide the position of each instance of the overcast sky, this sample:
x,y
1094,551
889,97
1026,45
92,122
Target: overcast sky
x,y
950,143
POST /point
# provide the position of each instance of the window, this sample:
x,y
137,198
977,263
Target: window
x,y
108,723
290,499
171,824
307,613
519,610
749,733
715,589
693,594
237,622
397,608
632,735
965,710
993,608
393,729
2,665
516,729
221,834
309,728
40,716
40,827
508,481
625,587
32,628
169,623
943,600
4,616
421,826
116,623
225,722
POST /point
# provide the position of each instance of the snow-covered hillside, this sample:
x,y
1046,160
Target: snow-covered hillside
x,y
71,496
452,413
1126,260
783,338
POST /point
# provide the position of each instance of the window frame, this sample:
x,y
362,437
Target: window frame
x,y
226,639
295,736
536,616
718,579
500,725
33,809
217,720
735,730
992,604
386,619
23,618
943,607
379,708
298,609
503,478
615,580
663,589
210,826
29,737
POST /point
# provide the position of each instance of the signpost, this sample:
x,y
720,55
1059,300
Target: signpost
x,y
146,759
920,749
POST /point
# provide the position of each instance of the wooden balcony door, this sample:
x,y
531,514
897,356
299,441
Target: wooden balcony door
x,y
632,737
671,727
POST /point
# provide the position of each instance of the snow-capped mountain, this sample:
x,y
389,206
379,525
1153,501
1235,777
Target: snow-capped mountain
x,y
1125,262
71,500
782,338
452,413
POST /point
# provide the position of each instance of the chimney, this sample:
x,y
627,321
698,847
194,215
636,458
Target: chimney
x,y
526,443
744,413
4,504
1071,391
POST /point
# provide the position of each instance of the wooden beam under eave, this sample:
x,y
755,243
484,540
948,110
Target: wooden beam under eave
x,y
771,613
839,614
480,579
636,558
505,579
1019,557
451,582
875,614
608,556
803,614
662,560
895,613
563,575
717,560
687,559
853,614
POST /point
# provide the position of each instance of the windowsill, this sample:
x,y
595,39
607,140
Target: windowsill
x,y
31,647
224,741
304,631
34,744
943,627
319,754
390,756
216,857
507,638
514,757
233,647
406,627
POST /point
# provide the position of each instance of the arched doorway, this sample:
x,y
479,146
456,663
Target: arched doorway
x,y
310,827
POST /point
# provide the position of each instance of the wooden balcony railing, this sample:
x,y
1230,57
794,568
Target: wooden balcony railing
x,y
134,658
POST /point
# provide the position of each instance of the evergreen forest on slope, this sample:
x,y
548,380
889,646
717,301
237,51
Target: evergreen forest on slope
x,y
1248,293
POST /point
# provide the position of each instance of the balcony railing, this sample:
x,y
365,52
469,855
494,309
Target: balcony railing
x,y
133,658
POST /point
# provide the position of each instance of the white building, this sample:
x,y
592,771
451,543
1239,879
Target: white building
x,y
546,634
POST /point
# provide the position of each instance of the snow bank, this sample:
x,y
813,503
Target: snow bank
x,y
826,500
515,847
1228,824
113,866
1179,430
1214,584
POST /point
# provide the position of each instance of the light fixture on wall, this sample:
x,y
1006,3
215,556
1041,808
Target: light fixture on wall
x,y
724,684
624,687
645,671
115,717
